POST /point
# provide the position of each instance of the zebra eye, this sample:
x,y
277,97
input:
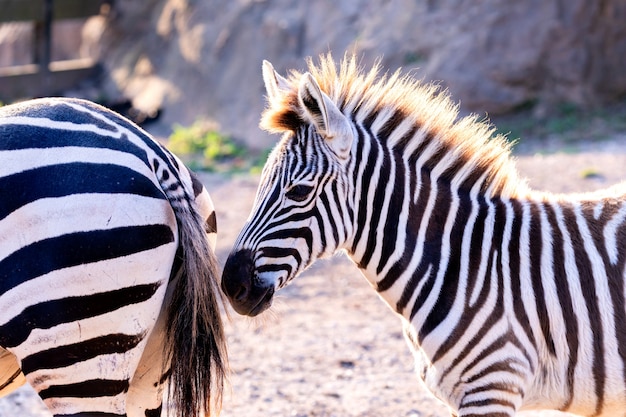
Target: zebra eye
x,y
299,192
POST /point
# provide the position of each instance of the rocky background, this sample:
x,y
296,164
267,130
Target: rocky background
x,y
202,58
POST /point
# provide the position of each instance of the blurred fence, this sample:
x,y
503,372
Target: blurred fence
x,y
43,76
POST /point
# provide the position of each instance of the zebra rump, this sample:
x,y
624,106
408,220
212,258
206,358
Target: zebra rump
x,y
107,275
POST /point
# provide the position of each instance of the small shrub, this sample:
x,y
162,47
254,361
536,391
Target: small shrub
x,y
203,147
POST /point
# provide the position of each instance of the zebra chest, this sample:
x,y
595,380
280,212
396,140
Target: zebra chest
x,y
429,373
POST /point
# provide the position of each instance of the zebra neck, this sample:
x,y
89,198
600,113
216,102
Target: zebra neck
x,y
419,231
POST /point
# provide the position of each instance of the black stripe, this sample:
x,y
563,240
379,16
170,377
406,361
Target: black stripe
x,y
510,364
16,137
336,195
475,252
615,272
71,309
276,267
390,125
565,301
514,266
588,289
323,220
332,223
62,356
275,252
362,220
487,403
496,386
503,414
301,232
535,250
73,178
471,311
266,210
453,271
394,210
414,221
432,255
59,111
87,389
410,241
154,412
79,248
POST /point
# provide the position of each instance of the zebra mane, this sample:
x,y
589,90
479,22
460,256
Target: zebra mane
x,y
470,142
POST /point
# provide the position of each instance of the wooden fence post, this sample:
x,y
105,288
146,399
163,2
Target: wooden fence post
x,y
43,77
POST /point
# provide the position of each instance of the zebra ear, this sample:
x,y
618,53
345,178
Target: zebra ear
x,y
324,114
275,84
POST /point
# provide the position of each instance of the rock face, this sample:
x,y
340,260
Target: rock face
x,y
202,58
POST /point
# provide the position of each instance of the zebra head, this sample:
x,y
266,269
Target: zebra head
x,y
303,207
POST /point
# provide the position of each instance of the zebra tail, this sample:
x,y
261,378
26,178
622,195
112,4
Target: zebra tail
x,y
196,346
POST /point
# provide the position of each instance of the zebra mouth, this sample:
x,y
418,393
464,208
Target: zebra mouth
x,y
264,303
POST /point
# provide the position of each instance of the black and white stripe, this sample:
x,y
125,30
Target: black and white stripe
x,y
512,299
93,218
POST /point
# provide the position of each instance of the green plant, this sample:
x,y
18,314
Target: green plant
x,y
414,57
590,172
203,147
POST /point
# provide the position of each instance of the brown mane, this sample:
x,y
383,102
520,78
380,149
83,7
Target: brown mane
x,y
354,90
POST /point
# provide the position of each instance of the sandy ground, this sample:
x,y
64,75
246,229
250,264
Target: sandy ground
x,y
329,346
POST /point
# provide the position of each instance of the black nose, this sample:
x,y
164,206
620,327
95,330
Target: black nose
x,y
238,275
246,293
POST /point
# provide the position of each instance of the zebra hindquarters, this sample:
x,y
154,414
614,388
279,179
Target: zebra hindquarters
x,y
82,284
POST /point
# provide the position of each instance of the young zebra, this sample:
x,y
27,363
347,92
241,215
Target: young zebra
x,y
511,299
107,277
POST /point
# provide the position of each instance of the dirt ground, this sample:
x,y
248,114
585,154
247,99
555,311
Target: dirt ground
x,y
329,346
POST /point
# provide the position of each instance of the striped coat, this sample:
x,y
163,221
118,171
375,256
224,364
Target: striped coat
x,y
511,298
106,273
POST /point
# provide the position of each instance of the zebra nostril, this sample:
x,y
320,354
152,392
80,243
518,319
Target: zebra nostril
x,y
237,275
241,293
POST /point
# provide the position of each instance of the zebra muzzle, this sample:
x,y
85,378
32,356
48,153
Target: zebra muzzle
x,y
247,294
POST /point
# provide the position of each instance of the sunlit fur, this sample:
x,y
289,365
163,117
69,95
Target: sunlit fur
x,y
357,91
511,299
